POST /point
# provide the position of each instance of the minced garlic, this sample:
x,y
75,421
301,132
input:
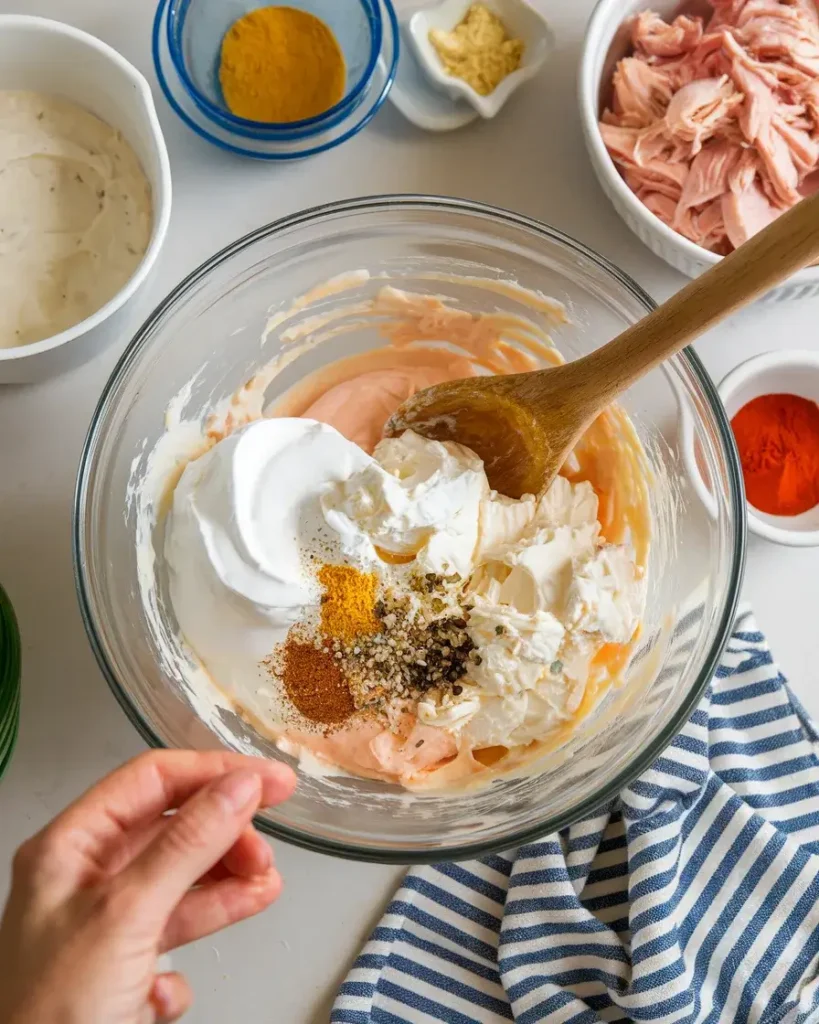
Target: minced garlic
x,y
478,50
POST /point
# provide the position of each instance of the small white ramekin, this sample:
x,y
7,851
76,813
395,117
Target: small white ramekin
x,y
774,373
522,22
48,56
607,41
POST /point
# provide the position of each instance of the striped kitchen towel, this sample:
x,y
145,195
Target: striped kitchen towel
x,y
693,898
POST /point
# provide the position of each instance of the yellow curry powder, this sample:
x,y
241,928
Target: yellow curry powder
x,y
348,602
479,50
280,64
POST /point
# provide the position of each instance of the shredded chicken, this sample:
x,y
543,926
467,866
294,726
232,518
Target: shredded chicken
x,y
714,123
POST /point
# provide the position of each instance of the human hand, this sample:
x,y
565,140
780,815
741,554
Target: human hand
x,y
114,882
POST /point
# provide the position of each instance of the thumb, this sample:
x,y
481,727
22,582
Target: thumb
x,y
195,839
171,997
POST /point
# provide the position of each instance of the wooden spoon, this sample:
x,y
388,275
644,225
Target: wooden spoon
x,y
524,425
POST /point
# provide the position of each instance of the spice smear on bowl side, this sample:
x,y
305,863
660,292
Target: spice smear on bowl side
x,y
714,122
778,441
280,64
478,50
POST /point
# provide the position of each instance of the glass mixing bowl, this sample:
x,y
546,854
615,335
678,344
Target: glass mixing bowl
x,y
205,338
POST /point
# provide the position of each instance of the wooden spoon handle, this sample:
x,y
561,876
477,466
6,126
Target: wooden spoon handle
x,y
785,246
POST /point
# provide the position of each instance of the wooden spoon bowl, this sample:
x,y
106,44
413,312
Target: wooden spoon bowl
x,y
525,425
502,420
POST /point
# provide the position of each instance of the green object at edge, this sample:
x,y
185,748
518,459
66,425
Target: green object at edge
x,y
9,680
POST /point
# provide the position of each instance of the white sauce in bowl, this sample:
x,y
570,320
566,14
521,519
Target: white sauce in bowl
x,y
75,215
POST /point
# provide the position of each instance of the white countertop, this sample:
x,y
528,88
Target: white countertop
x,y
290,960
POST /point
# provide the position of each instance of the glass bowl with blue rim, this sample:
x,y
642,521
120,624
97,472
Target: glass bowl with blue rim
x,y
196,28
187,40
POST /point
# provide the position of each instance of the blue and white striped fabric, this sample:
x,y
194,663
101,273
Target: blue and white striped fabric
x,y
694,898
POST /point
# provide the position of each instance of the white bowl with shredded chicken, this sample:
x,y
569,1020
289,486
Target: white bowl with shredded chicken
x,y
608,40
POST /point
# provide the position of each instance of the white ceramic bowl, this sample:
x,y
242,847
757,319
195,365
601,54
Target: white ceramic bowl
x,y
774,373
48,56
416,94
606,42
522,22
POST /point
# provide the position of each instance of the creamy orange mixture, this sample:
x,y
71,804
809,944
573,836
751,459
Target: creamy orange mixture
x,y
357,395
426,340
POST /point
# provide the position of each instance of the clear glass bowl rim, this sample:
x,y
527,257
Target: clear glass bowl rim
x,y
177,11
431,204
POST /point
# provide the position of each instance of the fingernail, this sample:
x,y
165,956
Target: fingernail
x,y
161,995
239,789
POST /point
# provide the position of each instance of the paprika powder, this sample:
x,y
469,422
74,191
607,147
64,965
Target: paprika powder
x,y
314,681
778,441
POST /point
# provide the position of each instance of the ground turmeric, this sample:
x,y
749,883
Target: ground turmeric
x,y
280,64
348,602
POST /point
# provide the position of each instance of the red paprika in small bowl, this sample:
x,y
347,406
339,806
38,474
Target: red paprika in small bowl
x,y
778,440
772,402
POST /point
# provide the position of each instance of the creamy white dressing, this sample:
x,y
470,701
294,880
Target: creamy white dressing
x,y
75,215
